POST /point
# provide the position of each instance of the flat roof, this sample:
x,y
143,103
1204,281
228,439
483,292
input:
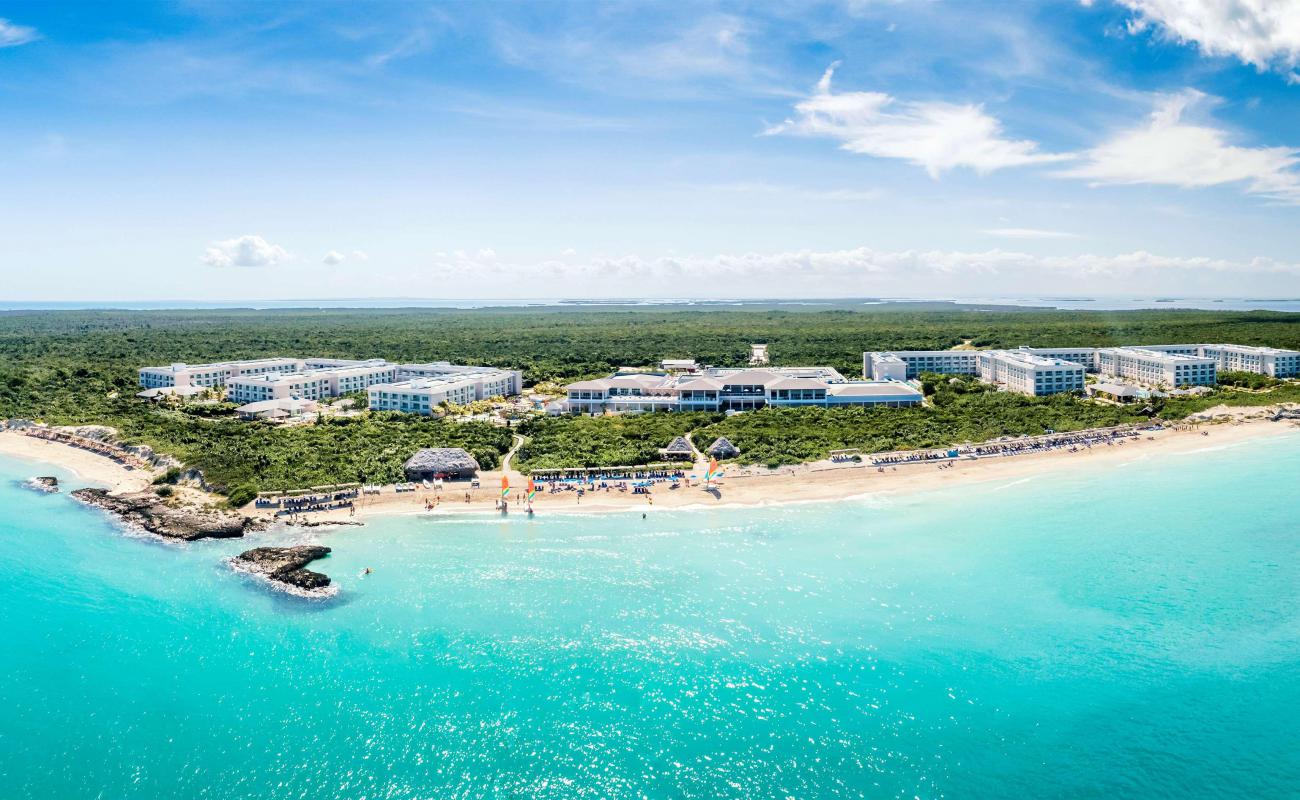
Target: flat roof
x,y
871,389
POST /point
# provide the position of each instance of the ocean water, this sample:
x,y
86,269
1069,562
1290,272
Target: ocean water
x,y
1132,631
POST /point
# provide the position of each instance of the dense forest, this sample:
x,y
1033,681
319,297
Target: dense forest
x,y
79,367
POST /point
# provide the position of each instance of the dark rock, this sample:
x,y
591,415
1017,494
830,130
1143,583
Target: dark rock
x,y
149,512
285,565
44,483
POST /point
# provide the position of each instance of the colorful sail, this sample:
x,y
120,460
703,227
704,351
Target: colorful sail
x,y
711,472
505,486
532,490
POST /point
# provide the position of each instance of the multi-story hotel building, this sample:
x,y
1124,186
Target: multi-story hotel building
x,y
1157,367
181,375
720,389
315,378
907,364
277,386
1242,358
1028,373
423,395
488,381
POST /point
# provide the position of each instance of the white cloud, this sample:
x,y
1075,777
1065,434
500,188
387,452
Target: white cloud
x,y
1030,233
334,257
246,251
12,35
568,251
1262,33
360,255
1173,152
935,135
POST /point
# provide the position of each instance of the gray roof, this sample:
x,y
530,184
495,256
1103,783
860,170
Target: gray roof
x,y
723,447
441,459
678,445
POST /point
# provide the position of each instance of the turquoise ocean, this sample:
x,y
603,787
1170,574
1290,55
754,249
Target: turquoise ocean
x,y
1126,631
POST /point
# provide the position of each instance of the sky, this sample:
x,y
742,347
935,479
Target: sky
x,y
867,148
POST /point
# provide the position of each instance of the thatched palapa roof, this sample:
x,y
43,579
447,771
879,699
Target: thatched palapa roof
x,y
677,448
433,461
723,448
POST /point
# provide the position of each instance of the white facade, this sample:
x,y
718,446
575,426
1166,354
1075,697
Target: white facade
x,y
276,386
945,362
719,389
445,383
1269,361
212,375
1030,374
315,378
490,381
1157,367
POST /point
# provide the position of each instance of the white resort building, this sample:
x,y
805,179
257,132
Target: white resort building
x,y
1269,361
421,388
724,389
180,375
1029,373
276,379
1160,365
1156,367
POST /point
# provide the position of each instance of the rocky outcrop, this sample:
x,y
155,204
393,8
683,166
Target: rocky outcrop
x,y
148,512
286,566
43,483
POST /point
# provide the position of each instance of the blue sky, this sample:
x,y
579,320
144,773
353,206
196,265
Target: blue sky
x,y
469,150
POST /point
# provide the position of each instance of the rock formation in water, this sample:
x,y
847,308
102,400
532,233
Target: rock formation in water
x,y
285,565
148,511
44,483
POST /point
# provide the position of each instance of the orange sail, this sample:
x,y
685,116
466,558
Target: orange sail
x,y
505,486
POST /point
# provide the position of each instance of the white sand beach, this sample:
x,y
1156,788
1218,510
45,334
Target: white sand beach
x,y
92,468
818,481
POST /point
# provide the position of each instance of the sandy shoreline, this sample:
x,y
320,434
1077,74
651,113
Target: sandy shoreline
x,y
817,482
89,467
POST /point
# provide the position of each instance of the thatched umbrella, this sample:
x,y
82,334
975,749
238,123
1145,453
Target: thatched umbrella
x,y
678,448
723,448
440,462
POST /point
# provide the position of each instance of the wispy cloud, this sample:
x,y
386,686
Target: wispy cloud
x,y
1030,233
937,136
1262,33
1171,151
12,34
245,251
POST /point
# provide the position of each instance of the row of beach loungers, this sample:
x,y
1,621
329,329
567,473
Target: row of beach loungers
x,y
311,502
1072,441
119,454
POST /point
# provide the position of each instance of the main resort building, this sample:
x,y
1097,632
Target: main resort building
x,y
1048,370
724,389
398,387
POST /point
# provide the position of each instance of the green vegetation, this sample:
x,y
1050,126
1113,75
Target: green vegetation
x,y
1248,380
603,441
792,435
79,367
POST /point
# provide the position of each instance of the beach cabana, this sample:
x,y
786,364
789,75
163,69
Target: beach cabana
x,y
678,450
723,448
430,463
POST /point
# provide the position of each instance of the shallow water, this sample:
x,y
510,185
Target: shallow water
x,y
1088,633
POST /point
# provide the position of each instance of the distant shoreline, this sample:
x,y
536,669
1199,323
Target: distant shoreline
x,y
865,304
